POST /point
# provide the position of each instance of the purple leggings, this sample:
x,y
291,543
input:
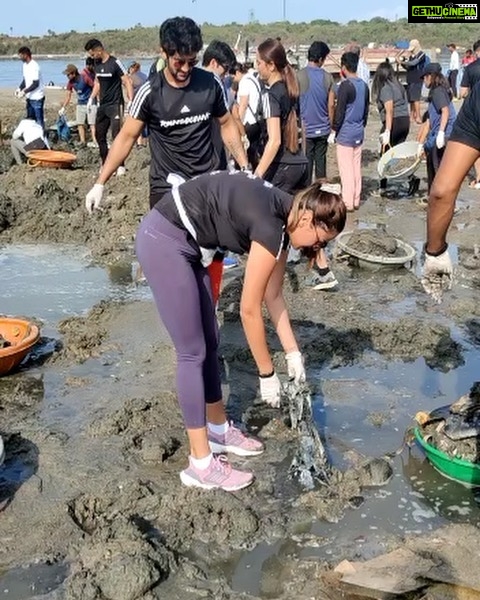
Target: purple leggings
x,y
183,295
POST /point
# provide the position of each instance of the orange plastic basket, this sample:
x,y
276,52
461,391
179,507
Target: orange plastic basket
x,y
22,335
54,159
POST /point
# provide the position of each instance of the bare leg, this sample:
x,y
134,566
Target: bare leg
x,y
81,133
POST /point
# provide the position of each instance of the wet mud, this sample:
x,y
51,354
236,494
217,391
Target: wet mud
x,y
94,436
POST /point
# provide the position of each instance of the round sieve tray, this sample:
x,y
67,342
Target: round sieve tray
x,y
409,252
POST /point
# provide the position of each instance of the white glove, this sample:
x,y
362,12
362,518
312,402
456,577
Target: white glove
x,y
245,142
385,138
420,150
440,140
331,138
94,198
295,367
270,390
89,103
61,112
437,274
19,93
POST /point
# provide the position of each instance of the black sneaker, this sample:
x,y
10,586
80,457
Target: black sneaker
x,y
321,282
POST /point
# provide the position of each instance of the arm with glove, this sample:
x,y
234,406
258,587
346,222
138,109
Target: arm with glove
x,y
263,280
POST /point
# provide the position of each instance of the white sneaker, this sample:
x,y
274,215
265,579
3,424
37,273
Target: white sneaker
x,y
121,171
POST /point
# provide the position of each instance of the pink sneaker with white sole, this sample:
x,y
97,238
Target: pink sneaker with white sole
x,y
234,441
218,475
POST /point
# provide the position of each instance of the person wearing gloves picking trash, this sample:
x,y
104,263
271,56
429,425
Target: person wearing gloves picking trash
x,y
437,121
175,243
461,152
82,84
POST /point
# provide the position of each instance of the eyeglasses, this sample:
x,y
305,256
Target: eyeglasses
x,y
178,63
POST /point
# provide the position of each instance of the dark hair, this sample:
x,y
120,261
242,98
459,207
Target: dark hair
x,y
272,51
180,35
451,46
24,50
93,44
328,209
349,60
476,45
468,52
89,61
384,74
439,80
221,52
238,67
318,51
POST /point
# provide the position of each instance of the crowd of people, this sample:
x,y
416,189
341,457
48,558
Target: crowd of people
x,y
239,165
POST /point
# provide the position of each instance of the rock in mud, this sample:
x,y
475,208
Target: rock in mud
x,y
7,212
118,562
189,515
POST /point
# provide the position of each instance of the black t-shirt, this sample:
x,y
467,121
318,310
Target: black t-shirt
x,y
180,125
471,74
109,75
277,103
232,210
466,128
439,97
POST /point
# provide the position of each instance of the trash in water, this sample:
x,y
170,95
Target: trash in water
x,y
310,463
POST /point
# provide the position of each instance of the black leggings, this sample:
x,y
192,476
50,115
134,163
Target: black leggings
x,y
288,178
316,151
109,116
399,133
434,157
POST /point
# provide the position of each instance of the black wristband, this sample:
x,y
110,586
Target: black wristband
x,y
435,254
266,375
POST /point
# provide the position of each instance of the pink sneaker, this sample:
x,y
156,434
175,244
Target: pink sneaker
x,y
234,441
219,475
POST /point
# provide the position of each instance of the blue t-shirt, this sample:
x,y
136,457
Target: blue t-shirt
x,y
82,87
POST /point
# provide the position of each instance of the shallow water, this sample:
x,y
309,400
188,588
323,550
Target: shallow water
x,y
366,408
51,282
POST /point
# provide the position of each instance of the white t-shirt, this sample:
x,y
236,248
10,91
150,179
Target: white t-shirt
x,y
29,130
454,61
31,72
249,87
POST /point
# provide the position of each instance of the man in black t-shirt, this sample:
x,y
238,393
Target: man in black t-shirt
x,y
110,76
178,105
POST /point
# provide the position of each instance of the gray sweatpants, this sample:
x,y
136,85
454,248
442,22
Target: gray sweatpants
x,y
18,148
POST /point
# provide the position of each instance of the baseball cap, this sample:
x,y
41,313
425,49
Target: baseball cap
x,y
431,69
70,69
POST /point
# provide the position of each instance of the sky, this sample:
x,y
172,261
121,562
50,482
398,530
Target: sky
x,y
36,17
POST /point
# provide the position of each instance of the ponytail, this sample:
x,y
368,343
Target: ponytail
x,y
291,126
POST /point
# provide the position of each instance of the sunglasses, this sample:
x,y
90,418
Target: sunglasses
x,y
178,63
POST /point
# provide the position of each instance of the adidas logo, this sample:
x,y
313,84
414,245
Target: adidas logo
x,y
184,109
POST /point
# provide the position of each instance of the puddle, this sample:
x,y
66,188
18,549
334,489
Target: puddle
x,y
366,408
50,282
33,580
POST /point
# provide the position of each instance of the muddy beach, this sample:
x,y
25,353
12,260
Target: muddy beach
x,y
92,505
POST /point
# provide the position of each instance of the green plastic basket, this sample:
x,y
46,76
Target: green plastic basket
x,y
454,468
